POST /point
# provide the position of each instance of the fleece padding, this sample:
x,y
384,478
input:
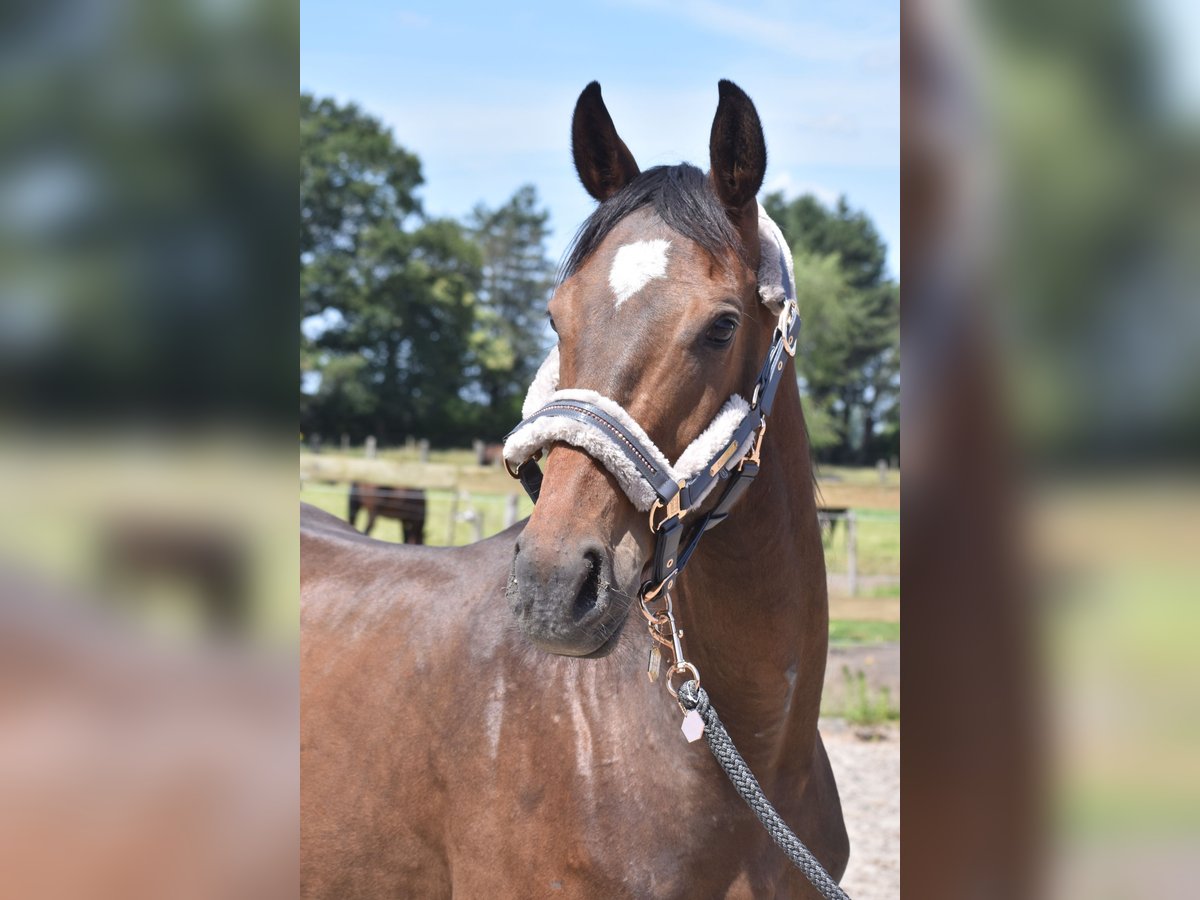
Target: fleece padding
x,y
776,277
545,383
593,440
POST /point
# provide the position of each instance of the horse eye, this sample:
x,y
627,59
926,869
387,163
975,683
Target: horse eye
x,y
553,327
721,331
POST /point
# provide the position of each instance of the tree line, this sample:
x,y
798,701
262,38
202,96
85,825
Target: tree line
x,y
420,326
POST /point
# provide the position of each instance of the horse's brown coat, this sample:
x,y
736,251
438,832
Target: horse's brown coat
x,y
442,754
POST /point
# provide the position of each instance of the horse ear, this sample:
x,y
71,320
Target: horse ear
x,y
602,160
737,149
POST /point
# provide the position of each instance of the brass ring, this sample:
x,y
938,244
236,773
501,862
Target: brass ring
x,y
651,593
652,617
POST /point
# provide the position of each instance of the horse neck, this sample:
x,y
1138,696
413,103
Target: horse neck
x,y
753,602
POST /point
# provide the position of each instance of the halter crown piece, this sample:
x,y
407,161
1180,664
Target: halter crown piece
x,y
726,454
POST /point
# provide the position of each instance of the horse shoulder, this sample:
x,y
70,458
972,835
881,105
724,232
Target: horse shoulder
x,y
385,628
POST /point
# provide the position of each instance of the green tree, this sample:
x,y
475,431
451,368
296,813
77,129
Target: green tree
x,y
389,294
509,337
354,180
849,361
849,233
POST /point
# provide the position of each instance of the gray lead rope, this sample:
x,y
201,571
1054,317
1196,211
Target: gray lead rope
x,y
694,697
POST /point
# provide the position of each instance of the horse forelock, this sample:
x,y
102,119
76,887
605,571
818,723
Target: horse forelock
x,y
681,196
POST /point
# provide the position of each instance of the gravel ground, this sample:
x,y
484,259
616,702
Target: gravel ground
x,y
867,767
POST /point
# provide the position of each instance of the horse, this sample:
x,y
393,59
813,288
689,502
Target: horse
x,y
136,549
477,721
488,454
404,504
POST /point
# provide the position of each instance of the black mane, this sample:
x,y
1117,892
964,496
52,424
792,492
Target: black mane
x,y
681,196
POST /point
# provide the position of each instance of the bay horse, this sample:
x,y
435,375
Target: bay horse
x,y
407,505
477,721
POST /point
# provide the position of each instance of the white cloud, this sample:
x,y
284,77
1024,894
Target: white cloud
x,y
802,40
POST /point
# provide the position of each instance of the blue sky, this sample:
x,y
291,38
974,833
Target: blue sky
x,y
483,92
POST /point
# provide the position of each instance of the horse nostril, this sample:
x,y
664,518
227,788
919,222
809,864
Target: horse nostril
x,y
589,591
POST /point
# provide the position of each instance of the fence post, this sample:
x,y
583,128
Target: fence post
x,y
369,447
423,450
852,551
475,518
510,511
345,442
453,519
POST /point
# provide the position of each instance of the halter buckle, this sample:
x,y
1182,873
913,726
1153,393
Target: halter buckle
x,y
755,454
787,316
672,506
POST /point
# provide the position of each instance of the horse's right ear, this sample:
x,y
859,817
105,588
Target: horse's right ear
x,y
602,160
737,149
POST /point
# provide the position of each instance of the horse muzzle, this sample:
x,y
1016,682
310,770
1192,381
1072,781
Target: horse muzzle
x,y
563,597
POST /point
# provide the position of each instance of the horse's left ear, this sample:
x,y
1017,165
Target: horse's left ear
x,y
602,160
738,155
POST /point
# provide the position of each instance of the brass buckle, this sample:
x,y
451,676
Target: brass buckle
x,y
755,454
672,508
787,315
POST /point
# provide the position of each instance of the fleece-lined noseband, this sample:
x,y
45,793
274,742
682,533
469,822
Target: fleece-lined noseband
x,y
725,453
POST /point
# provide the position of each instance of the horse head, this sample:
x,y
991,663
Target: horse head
x,y
657,309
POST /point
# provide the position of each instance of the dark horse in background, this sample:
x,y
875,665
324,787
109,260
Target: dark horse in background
x,y
404,504
477,721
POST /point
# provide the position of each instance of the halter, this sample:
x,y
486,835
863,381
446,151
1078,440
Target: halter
x,y
725,456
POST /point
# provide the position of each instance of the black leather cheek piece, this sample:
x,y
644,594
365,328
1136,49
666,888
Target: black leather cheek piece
x,y
666,549
742,480
778,361
766,397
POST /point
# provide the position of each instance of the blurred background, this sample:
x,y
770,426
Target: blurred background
x,y
148,558
1052,499
148,428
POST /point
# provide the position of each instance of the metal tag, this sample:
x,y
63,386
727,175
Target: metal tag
x,y
655,665
692,727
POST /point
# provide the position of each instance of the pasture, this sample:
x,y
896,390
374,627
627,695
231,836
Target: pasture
x,y
467,501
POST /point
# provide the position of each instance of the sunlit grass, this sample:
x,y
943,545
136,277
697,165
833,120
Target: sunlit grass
x,y
853,631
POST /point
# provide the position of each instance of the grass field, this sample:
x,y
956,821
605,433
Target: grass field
x,y
878,530
872,615
491,509
852,631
